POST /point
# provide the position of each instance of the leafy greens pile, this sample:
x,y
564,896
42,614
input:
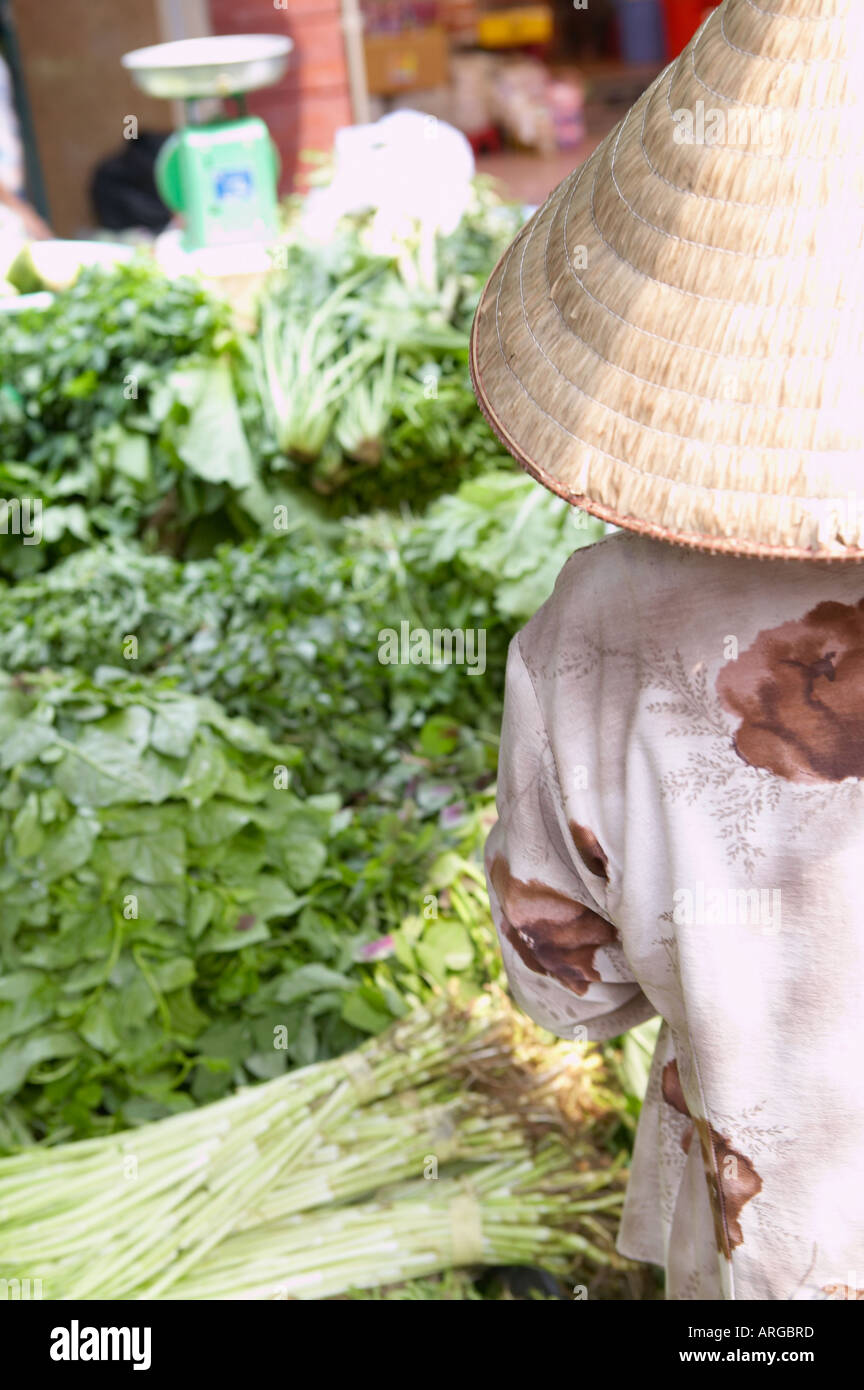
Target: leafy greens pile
x,y
157,669
122,410
286,632
132,408
221,812
154,855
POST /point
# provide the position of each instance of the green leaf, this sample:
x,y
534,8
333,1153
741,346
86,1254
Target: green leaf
x,y
204,774
18,1057
27,742
173,974
97,1028
174,726
186,1019
445,946
302,857
69,847
27,999
217,821
132,456
154,858
201,911
81,386
27,828
310,979
361,1013
230,1043
213,444
101,769
439,736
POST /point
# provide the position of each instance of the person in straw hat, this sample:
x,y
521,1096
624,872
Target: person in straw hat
x,y
675,343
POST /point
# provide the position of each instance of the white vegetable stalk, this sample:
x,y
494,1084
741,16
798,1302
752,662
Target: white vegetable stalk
x,y
248,1197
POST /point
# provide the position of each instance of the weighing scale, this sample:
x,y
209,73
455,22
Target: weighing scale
x,y
220,174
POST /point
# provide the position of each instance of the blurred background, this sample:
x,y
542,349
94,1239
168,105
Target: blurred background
x,y
534,87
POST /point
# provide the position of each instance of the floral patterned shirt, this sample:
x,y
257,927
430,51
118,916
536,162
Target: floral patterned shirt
x,y
681,832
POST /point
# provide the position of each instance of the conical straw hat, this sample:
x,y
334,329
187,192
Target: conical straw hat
x,y
675,340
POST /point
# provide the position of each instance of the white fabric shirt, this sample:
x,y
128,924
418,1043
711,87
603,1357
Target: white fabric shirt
x,y
681,832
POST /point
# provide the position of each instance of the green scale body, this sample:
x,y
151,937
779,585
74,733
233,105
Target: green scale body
x,y
222,178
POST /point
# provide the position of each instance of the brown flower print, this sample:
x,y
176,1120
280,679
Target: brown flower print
x,y
552,933
732,1179
799,692
590,850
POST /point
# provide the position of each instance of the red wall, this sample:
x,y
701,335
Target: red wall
x,y
312,101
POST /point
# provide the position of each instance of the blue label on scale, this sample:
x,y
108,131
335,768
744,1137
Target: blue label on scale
x,y
234,184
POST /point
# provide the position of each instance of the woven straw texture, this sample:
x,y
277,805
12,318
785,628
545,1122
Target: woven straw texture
x,y
675,340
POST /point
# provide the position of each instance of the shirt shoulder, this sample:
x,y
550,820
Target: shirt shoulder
x,y
631,592
605,588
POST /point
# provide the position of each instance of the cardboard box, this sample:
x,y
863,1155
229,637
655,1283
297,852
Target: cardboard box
x,y
414,59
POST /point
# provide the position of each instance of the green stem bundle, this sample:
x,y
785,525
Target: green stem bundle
x,y
249,1197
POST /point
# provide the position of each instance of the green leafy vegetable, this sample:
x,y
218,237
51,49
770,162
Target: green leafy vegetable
x,y
153,857
128,414
364,364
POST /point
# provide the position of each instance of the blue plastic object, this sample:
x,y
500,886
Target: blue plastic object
x,y
643,38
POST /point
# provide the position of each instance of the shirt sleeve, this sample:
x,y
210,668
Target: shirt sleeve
x,y
562,954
